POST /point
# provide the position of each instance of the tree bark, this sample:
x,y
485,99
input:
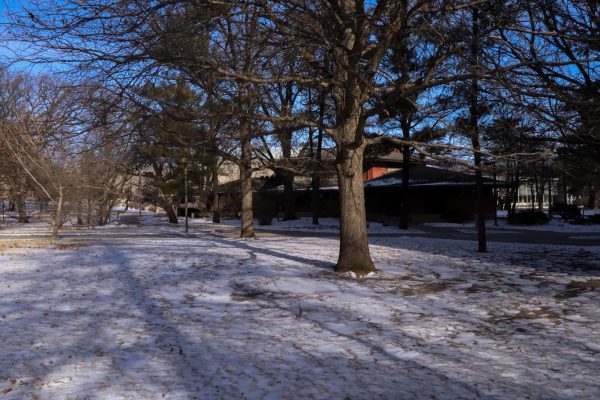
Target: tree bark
x,y
354,253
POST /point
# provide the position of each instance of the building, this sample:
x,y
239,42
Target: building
x,y
435,194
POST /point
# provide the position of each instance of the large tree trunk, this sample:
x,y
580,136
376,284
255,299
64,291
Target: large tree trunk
x,y
247,217
354,244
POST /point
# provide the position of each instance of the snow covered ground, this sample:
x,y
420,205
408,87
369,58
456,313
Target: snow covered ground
x,y
305,224
215,318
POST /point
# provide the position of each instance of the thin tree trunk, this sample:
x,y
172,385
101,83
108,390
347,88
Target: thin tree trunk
x,y
247,217
216,212
316,178
89,212
591,203
289,201
79,217
541,189
354,245
405,203
481,234
289,206
58,213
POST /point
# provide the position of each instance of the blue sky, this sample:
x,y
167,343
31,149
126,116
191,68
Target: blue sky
x,y
8,48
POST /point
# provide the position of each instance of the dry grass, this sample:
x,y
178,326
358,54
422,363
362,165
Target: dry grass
x,y
45,243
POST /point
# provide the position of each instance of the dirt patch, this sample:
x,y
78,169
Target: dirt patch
x,y
24,244
543,312
426,288
38,244
69,245
575,288
248,293
479,289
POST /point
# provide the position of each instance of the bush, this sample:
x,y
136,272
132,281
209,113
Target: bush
x,y
529,217
594,219
458,217
573,211
265,210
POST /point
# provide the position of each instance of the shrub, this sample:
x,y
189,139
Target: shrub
x,y
594,219
573,211
458,217
529,217
264,210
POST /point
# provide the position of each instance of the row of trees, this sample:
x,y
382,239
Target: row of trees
x,y
52,152
269,84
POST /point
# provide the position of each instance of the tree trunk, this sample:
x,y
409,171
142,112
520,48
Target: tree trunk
x,y
515,192
89,212
541,189
354,244
289,203
79,217
21,206
216,212
474,111
247,217
316,178
316,197
591,203
405,204
58,213
171,213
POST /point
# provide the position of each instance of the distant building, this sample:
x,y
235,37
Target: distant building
x,y
435,194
